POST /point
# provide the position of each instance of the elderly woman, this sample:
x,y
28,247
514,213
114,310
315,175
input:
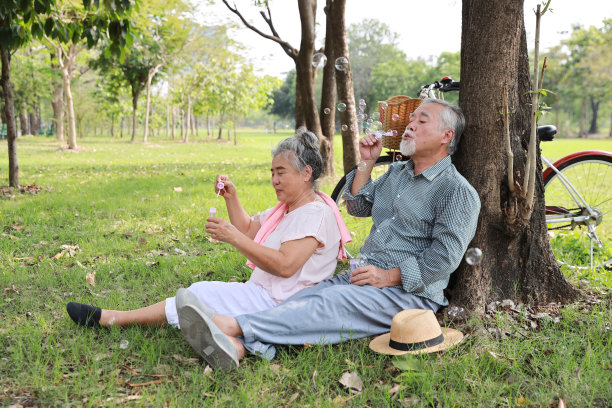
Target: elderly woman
x,y
290,247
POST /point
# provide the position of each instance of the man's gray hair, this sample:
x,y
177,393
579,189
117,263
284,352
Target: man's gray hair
x,y
451,117
302,150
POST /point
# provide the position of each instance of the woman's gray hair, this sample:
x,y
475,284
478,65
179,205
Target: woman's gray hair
x,y
451,117
305,148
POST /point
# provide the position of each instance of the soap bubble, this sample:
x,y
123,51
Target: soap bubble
x,y
375,115
344,128
383,105
361,166
342,107
319,60
342,63
326,111
361,116
395,117
124,344
394,133
473,256
398,157
362,104
353,127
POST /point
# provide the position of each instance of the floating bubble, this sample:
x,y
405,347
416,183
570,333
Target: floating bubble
x,y
319,60
360,116
473,256
398,157
383,105
353,127
395,117
394,133
342,107
362,104
326,111
375,115
377,125
124,344
361,166
341,63
344,128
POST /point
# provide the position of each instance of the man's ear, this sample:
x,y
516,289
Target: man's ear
x,y
448,136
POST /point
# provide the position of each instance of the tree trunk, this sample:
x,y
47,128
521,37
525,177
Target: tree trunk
x,y
182,122
195,125
344,85
307,111
188,119
173,120
57,103
147,107
328,98
583,109
517,259
121,126
9,115
112,129
135,95
594,129
25,123
167,120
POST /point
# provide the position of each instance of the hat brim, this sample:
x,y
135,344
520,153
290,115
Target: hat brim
x,y
451,337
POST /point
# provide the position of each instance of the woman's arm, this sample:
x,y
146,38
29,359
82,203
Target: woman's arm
x,y
284,262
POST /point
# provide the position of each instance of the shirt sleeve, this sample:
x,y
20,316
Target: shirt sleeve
x,y
360,204
455,226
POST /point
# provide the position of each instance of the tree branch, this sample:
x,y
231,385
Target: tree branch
x,y
289,50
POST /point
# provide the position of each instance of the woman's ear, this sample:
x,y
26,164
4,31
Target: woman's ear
x,y
307,172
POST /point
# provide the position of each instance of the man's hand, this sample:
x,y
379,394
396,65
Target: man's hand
x,y
370,147
377,277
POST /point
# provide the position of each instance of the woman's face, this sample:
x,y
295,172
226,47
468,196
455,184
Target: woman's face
x,y
289,183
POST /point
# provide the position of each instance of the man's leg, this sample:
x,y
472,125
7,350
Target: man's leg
x,y
332,314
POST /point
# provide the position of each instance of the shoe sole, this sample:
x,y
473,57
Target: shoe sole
x,y
206,339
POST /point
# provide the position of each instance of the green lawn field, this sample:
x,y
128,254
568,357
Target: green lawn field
x,y
120,225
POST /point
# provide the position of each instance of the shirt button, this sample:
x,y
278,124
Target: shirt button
x,y
392,218
398,196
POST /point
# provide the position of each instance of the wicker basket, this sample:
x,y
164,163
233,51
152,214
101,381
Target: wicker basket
x,y
396,117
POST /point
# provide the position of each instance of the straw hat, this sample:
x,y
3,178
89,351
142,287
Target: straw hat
x,y
415,331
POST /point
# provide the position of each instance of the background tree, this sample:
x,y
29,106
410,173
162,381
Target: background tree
x,y
20,19
517,260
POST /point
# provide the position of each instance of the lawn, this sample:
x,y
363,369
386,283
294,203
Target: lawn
x,y
131,216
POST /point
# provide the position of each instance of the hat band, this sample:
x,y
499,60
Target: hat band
x,y
416,346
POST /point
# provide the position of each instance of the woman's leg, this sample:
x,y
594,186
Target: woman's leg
x,y
154,315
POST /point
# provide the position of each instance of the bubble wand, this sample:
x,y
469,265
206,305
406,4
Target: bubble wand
x,y
220,187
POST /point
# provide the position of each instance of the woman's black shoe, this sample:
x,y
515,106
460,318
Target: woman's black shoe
x,y
84,315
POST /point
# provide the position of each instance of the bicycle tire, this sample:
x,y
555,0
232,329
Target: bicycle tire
x,y
358,226
590,174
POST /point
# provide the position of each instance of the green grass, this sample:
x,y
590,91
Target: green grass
x,y
118,202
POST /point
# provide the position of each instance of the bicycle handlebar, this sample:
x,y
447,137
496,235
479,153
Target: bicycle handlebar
x,y
446,84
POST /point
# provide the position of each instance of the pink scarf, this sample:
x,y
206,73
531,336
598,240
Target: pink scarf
x,y
277,213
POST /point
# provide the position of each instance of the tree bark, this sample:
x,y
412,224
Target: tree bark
x,y
66,62
23,120
517,259
57,104
167,120
135,95
9,115
594,129
344,86
173,121
328,98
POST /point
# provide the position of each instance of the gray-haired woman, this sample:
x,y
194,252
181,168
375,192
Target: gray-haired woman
x,y
290,247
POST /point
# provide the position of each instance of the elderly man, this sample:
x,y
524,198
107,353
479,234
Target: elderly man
x,y
424,214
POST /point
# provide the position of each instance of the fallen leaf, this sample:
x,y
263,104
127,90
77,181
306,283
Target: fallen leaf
x,y
178,189
407,362
17,227
91,278
562,403
293,398
142,241
83,181
351,381
211,239
395,389
149,263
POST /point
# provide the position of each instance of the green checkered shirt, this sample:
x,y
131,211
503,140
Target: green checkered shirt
x,y
422,224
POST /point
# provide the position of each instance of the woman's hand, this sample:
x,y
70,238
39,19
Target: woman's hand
x,y
377,277
221,230
228,190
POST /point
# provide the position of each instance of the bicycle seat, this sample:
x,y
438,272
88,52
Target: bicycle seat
x,y
547,133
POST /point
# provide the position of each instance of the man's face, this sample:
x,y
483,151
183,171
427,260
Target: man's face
x,y
423,137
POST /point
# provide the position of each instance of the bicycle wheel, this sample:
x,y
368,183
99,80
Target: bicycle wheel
x,y
358,226
571,241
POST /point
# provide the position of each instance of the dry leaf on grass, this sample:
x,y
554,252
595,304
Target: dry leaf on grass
x,y
178,189
351,381
91,278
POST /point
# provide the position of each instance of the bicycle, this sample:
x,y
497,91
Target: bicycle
x,y
578,218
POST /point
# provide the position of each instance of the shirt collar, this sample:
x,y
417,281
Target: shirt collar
x,y
432,172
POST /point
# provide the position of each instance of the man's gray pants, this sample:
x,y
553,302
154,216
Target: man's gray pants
x,y
328,313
